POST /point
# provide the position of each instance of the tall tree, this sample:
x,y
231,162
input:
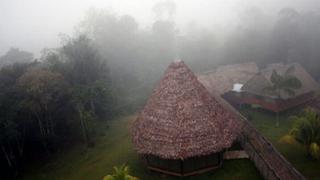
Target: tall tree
x,y
42,89
286,83
13,119
82,61
286,37
15,55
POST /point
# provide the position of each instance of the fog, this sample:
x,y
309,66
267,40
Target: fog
x,y
70,69
35,24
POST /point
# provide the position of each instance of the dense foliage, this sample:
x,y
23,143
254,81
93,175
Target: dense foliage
x,y
306,131
286,83
44,105
15,55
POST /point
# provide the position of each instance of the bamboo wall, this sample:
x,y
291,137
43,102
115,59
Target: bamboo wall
x,y
270,163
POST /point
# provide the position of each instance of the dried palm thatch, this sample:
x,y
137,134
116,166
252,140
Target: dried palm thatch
x,y
181,119
222,79
259,83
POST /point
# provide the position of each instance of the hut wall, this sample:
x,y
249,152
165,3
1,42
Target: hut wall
x,y
270,163
315,105
201,162
302,99
186,166
165,164
268,103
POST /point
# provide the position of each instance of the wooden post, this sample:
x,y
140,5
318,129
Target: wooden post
x,y
146,159
181,167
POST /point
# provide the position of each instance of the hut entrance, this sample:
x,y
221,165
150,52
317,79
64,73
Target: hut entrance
x,y
186,167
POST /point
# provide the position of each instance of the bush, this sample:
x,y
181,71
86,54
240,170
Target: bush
x,y
120,173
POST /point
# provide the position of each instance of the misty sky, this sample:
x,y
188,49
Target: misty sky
x,y
32,25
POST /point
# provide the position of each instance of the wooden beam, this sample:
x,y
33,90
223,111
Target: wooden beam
x,y
200,171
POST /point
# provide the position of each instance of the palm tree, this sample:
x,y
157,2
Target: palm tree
x,y
285,83
120,173
306,131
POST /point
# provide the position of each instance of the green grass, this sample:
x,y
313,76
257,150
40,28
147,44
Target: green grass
x,y
265,122
114,148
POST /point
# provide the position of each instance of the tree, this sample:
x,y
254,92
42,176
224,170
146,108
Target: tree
x,y
306,131
88,75
82,97
83,63
249,41
15,55
285,83
42,89
200,47
286,37
12,118
116,38
9,136
136,57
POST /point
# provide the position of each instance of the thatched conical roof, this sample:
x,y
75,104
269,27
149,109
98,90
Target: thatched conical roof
x,y
181,119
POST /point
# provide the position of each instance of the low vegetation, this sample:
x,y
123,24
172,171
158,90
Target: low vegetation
x,y
120,173
306,132
114,148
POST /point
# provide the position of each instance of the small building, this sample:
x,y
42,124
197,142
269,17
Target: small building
x,y
255,91
224,78
182,129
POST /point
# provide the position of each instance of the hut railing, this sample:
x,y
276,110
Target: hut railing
x,y
270,163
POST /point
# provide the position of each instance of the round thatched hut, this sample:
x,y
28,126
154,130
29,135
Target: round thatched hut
x,y
183,130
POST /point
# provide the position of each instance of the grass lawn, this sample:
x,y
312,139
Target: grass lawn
x,y
265,122
114,147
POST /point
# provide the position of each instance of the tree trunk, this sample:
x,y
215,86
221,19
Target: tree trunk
x,y
45,119
20,146
83,126
40,124
278,113
43,133
92,106
7,156
277,120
